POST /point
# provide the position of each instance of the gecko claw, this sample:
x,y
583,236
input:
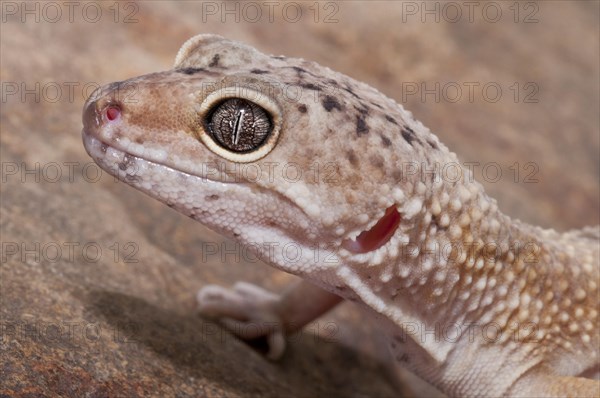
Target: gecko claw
x,y
247,311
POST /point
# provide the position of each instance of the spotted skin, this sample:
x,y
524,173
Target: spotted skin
x,y
473,302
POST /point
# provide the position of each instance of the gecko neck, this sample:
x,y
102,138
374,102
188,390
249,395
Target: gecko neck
x,y
463,253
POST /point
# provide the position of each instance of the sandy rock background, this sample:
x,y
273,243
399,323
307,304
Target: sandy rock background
x,y
98,281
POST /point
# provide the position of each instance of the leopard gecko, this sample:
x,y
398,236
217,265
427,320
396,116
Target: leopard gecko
x,y
474,302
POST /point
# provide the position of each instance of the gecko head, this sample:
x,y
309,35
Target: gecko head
x,y
261,148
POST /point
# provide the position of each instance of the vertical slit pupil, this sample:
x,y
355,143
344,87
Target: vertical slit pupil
x,y
238,125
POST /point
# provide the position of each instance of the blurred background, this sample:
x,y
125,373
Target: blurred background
x,y
98,281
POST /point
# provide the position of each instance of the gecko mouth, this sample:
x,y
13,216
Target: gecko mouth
x,y
97,148
121,163
199,197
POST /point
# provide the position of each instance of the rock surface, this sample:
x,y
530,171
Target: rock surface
x,y
97,281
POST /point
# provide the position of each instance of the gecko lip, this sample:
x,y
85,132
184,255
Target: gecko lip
x,y
92,144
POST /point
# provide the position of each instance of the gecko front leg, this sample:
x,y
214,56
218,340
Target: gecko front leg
x,y
249,311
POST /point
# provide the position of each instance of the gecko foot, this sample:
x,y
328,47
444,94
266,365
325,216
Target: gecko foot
x,y
248,311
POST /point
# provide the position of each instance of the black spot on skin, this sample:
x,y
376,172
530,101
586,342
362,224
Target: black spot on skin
x,y
214,61
352,158
259,71
190,70
376,105
409,135
361,126
302,71
363,110
212,197
299,69
310,86
277,57
302,108
386,141
139,140
348,89
124,164
391,119
330,103
432,144
333,82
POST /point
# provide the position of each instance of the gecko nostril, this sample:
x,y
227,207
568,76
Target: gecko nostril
x,y
112,112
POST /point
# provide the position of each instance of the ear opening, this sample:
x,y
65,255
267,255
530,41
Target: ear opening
x,y
377,236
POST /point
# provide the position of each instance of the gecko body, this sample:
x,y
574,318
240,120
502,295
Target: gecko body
x,y
281,153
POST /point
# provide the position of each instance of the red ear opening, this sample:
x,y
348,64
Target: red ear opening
x,y
377,236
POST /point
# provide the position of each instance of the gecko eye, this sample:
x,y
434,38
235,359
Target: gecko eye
x,y
239,125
